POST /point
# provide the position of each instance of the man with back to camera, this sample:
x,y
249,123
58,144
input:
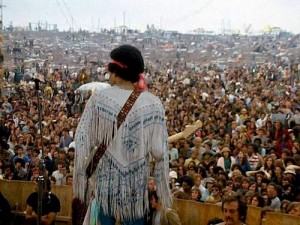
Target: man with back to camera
x,y
234,211
122,171
50,206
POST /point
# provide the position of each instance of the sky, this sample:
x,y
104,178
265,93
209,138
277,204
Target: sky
x,y
181,15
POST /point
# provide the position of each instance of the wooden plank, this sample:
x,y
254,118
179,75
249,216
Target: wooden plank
x,y
273,218
253,215
192,212
65,195
16,192
210,211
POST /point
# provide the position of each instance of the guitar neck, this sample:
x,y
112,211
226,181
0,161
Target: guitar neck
x,y
188,131
175,137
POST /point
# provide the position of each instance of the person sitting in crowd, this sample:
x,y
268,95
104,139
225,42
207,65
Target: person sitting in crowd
x,y
186,191
226,161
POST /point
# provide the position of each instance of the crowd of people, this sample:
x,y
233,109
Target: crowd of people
x,y
248,144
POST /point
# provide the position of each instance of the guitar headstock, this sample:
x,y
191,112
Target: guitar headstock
x,y
190,129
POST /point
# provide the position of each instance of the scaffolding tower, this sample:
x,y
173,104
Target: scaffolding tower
x,y
42,25
1,17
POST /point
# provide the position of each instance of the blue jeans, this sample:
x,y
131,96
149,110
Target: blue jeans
x,y
110,220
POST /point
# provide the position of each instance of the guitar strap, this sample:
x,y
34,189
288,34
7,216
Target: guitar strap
x,y
120,119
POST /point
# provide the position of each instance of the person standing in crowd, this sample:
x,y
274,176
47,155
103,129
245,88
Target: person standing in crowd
x,y
193,158
69,179
20,154
60,173
65,140
50,205
20,171
173,152
272,191
226,161
162,215
253,157
234,211
151,188
216,195
186,191
121,176
257,200
197,178
198,147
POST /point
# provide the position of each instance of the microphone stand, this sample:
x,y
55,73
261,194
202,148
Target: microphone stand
x,y
41,178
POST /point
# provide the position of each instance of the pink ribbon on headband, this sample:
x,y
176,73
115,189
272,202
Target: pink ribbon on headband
x,y
119,64
141,84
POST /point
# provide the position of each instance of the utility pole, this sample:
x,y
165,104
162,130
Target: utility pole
x,y
124,16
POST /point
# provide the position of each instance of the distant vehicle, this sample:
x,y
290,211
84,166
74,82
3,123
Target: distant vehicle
x,y
93,86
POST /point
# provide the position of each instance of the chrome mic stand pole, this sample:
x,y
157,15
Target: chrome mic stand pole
x,y
41,179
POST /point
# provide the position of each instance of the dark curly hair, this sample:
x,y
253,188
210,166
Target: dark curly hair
x,y
128,64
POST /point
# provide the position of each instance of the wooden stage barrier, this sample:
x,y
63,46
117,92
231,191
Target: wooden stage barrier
x,y
281,219
191,212
17,192
253,215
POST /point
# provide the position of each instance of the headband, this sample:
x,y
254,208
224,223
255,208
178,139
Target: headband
x,y
123,66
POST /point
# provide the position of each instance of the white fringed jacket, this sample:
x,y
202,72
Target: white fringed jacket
x,y
122,173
